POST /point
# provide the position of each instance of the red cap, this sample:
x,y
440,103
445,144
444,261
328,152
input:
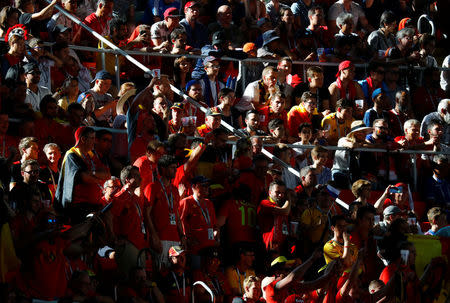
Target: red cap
x,y
190,4
344,65
78,134
171,12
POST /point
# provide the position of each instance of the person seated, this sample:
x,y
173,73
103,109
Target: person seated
x,y
306,112
211,85
232,34
400,113
277,131
383,38
226,107
29,150
197,33
403,51
319,155
302,156
110,188
212,121
437,188
442,115
242,268
99,21
49,173
323,38
338,124
314,84
81,288
252,123
148,162
379,109
390,213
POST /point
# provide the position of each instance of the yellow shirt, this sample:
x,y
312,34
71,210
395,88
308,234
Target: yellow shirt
x,y
236,278
316,220
336,130
333,250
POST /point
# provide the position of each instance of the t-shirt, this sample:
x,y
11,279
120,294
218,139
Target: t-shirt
x,y
236,278
199,220
129,218
313,217
298,115
333,250
147,169
100,25
159,30
241,221
274,228
176,287
164,214
336,129
275,296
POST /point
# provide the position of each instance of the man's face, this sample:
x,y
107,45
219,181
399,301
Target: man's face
x,y
436,131
160,105
53,155
316,80
277,193
104,143
225,15
180,42
317,17
121,32
30,174
270,79
192,13
254,291
89,141
107,9
277,105
348,73
172,21
381,129
213,122
347,27
220,141
381,100
134,179
212,68
278,132
284,68
391,27
52,110
346,112
18,46
306,134
309,180
310,105
321,158
413,132
367,221
103,85
378,74
4,123
34,76
179,261
32,151
112,187
195,92
201,189
70,5
256,145
177,114
252,121
170,171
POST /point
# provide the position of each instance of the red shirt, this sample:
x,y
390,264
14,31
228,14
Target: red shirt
x,y
128,218
275,296
147,169
164,214
138,148
89,192
274,228
100,25
182,178
296,116
198,222
48,279
266,115
241,221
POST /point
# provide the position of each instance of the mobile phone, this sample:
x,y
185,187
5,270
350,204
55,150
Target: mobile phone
x,y
396,190
404,253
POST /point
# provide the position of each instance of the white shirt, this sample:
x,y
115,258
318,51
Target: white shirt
x,y
337,8
251,93
34,99
445,75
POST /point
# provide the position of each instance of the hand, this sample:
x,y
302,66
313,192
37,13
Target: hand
x,y
346,237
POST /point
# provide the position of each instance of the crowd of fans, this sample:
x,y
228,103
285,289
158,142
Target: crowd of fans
x,y
128,192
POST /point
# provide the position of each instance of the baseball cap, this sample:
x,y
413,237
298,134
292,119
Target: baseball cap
x,y
210,59
377,92
191,4
391,210
29,67
102,75
281,260
177,105
218,38
213,111
344,65
171,12
175,251
199,180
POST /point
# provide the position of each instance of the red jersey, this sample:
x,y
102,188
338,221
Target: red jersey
x,y
147,169
164,214
129,218
199,220
274,228
100,25
182,178
241,221
266,114
296,116
273,295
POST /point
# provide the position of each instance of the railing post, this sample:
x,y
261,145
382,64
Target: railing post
x,y
103,55
414,164
117,68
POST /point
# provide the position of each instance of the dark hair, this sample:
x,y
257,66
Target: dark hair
x,y
374,65
426,39
304,125
219,131
102,132
74,106
276,182
224,91
166,161
308,95
115,24
45,101
4,14
126,172
177,33
28,163
336,218
363,210
343,103
251,111
387,17
274,123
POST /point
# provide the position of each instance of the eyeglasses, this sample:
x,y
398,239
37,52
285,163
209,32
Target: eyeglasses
x,y
32,172
214,66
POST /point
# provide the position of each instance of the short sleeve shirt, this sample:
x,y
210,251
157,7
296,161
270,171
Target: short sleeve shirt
x,y
337,8
159,30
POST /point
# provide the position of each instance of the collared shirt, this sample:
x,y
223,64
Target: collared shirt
x,y
35,98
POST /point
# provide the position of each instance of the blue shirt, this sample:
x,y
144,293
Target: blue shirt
x,y
197,37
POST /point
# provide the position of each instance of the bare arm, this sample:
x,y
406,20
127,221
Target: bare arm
x,y
345,289
380,202
46,12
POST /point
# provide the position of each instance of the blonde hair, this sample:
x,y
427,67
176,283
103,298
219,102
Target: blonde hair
x,y
250,280
358,185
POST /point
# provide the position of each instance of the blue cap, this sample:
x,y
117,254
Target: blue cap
x,y
103,75
199,180
270,36
210,59
190,83
377,92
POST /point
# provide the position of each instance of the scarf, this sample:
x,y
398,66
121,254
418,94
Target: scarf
x,y
350,88
370,88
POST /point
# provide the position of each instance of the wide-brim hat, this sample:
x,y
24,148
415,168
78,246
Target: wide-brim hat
x,y
359,126
123,99
270,36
